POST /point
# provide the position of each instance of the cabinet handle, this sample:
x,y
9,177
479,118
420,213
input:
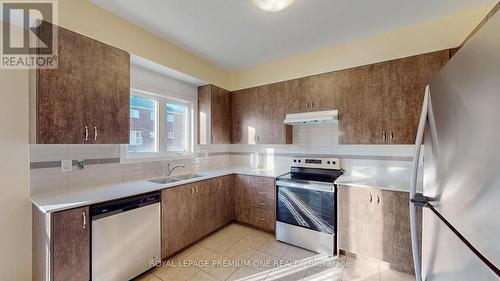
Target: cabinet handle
x,y
262,218
86,133
261,193
196,187
192,190
371,198
378,199
312,104
384,136
95,133
220,184
84,216
392,136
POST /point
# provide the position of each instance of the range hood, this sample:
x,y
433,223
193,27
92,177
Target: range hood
x,y
315,117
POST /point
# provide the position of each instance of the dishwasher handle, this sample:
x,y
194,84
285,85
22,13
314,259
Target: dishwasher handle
x,y
107,209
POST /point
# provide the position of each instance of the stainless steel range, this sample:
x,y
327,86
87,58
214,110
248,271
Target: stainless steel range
x,y
306,209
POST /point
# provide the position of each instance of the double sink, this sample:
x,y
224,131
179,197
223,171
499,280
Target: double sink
x,y
176,178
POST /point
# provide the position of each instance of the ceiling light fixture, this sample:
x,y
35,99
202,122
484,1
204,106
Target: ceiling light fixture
x,y
273,5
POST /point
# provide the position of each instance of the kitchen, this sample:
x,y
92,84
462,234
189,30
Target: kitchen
x,y
163,148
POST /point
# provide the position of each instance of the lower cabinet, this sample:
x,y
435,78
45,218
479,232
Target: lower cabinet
x,y
191,212
255,201
376,223
61,245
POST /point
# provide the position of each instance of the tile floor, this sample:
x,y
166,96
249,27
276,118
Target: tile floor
x,y
238,252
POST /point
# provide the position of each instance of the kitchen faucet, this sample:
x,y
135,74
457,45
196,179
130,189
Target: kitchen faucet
x,y
171,169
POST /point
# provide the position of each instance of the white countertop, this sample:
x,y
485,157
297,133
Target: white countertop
x,y
68,199
380,183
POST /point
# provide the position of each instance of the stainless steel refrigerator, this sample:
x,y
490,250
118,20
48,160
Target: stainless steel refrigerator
x,y
461,165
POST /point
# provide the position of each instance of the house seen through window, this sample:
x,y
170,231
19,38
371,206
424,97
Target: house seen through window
x,y
159,126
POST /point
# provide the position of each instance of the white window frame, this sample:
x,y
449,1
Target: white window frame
x,y
160,124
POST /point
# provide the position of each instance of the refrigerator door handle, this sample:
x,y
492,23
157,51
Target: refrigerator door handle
x,y
413,186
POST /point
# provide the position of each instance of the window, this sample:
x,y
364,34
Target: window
x,y
134,113
155,136
136,138
176,127
143,130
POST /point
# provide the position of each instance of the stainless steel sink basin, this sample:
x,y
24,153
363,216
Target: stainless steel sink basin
x,y
165,180
188,176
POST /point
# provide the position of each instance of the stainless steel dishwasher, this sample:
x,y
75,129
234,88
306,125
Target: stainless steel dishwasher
x,y
125,237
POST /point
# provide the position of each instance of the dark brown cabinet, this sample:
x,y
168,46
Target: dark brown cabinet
x,y
86,99
258,114
214,115
254,201
313,93
191,212
178,212
71,245
376,223
378,103
381,103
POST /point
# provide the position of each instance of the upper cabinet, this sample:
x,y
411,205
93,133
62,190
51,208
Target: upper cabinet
x,y
258,114
86,99
313,93
214,113
381,102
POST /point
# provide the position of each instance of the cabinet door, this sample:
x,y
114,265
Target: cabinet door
x,y
207,207
242,198
71,245
406,82
243,117
85,99
319,92
224,208
355,220
63,95
391,230
228,199
220,116
361,111
110,95
176,227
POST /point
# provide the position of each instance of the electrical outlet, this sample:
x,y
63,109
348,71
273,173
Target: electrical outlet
x,y
66,165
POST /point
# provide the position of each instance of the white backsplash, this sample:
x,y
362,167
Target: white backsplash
x,y
383,161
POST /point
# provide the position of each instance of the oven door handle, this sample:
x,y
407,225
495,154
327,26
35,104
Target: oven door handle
x,y
309,186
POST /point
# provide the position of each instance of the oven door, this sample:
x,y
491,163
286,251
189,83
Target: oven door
x,y
310,205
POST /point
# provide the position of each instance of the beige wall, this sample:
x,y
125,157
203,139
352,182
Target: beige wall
x,y
15,208
431,36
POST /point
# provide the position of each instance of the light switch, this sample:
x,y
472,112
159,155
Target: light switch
x,y
66,165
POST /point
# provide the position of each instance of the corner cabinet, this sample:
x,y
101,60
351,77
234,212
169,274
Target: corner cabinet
x,y
191,212
214,115
61,245
85,100
376,223
255,201
258,114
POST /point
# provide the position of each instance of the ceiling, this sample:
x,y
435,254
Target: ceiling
x,y
235,34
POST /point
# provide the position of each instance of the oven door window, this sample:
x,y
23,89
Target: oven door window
x,y
311,209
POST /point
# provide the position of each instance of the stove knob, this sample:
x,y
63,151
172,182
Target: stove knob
x,y
328,162
299,161
333,163
294,160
